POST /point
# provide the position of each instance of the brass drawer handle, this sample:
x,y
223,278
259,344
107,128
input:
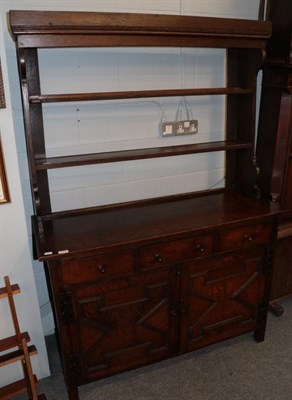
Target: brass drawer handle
x,y
101,268
200,248
158,258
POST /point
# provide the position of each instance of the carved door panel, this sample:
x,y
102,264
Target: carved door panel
x,y
220,297
124,322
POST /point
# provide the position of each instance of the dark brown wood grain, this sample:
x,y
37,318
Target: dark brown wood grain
x,y
68,23
126,155
274,136
64,29
51,98
163,220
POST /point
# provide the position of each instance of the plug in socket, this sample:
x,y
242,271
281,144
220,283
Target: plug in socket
x,y
179,128
186,127
168,128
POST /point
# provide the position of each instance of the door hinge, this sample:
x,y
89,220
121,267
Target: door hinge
x,y
66,307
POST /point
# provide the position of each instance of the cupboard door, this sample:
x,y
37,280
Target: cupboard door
x,y
122,323
220,297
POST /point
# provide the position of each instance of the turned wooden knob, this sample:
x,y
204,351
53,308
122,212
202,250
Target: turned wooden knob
x,y
158,258
200,248
101,268
248,238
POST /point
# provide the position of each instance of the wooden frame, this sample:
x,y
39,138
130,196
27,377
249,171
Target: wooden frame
x,y
2,95
4,192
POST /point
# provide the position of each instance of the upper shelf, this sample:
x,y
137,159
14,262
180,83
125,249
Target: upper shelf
x,y
47,29
52,98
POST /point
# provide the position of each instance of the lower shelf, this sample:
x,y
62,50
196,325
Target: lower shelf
x,y
16,355
15,389
10,342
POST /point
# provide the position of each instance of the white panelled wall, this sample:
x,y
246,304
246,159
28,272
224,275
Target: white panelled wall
x,y
106,126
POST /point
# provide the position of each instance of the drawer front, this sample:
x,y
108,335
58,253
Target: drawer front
x,y
244,236
176,251
98,267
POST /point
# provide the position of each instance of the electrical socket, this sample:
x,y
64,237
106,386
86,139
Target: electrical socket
x,y
186,127
168,128
179,128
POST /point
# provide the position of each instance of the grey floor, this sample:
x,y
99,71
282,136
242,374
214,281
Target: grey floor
x,y
238,369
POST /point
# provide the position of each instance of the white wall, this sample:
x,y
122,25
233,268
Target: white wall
x,y
126,125
105,126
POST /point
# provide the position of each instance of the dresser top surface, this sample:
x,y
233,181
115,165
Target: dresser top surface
x,y
126,226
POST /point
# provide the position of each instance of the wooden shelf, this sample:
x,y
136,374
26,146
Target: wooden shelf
x,y
51,98
22,352
15,389
12,341
16,355
285,230
127,155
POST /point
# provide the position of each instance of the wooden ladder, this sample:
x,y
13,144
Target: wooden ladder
x,y
20,352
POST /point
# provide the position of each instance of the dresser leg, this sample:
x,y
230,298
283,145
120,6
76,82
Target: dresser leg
x,y
72,391
259,333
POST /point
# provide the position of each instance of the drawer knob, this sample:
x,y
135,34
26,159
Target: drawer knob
x,y
158,258
101,268
248,238
200,248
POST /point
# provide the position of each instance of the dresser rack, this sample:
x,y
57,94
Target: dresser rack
x,y
142,281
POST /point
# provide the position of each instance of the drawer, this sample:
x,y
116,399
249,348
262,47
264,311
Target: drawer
x,y
175,251
244,236
98,267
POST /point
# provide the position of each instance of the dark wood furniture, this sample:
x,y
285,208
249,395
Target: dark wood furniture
x,y
274,137
142,281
